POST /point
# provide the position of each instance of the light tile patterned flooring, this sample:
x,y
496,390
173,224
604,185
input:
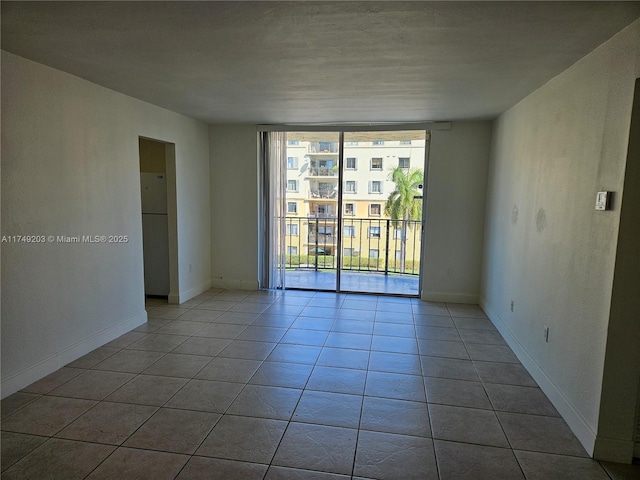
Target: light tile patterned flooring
x,y
300,385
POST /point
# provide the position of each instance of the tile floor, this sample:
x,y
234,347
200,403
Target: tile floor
x,y
300,385
368,282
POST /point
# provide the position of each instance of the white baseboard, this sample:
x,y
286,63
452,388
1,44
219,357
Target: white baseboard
x,y
181,297
234,284
14,382
578,425
450,297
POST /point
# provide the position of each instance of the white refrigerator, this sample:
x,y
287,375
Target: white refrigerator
x,y
155,233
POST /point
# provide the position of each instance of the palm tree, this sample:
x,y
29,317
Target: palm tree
x,y
402,204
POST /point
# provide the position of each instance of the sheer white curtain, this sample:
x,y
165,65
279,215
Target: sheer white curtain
x,y
273,209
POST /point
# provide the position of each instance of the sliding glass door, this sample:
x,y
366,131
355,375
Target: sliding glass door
x,y
353,211
312,173
381,221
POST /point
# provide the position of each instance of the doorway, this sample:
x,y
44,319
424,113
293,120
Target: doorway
x,y
158,207
354,202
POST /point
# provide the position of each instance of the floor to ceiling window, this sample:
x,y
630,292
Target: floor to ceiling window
x,y
352,210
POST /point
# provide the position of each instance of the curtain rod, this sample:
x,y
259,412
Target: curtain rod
x,y
364,127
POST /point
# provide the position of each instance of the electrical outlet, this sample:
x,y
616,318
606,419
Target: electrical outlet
x,y
546,334
512,305
190,268
449,272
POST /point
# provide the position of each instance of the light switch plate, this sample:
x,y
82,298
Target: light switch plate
x,y
603,200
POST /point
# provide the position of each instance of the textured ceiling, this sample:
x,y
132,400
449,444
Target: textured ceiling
x,y
298,62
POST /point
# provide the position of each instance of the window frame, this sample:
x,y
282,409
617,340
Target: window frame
x,y
371,205
295,210
353,208
296,183
375,182
355,186
397,234
296,163
352,231
376,169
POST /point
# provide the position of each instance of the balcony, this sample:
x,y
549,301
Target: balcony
x,y
327,194
323,147
323,239
378,255
314,215
368,245
323,172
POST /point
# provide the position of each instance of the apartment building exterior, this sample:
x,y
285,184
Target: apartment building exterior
x,y
369,237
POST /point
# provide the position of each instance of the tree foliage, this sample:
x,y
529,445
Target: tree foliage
x,y
402,204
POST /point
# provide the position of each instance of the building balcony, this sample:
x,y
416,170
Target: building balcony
x,y
323,147
314,215
321,239
368,245
329,194
323,172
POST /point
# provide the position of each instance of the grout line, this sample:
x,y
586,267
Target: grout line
x,y
304,304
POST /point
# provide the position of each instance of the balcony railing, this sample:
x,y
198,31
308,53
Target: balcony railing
x,y
324,194
322,215
368,245
323,172
323,147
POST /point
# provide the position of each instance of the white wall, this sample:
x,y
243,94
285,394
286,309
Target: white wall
x,y
70,166
456,192
545,247
455,214
234,206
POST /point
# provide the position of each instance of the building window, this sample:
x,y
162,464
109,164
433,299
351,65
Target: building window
x,y
398,254
374,253
351,144
292,185
397,233
350,231
376,164
378,142
292,250
375,209
292,162
350,186
293,142
324,211
325,230
374,232
351,163
375,186
292,207
403,162
292,229
405,142
349,209
348,252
